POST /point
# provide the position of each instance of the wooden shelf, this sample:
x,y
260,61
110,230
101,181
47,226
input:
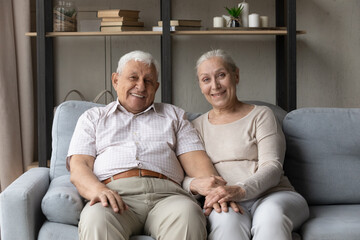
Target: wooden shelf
x,y
235,32
72,34
200,32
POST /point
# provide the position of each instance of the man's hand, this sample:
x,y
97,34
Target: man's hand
x,y
108,196
89,186
224,194
204,185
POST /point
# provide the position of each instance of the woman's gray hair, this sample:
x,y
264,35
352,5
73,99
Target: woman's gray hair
x,y
140,56
229,62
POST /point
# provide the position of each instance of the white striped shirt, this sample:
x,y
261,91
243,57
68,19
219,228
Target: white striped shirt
x,y
120,140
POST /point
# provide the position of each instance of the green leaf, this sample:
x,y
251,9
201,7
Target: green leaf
x,y
234,11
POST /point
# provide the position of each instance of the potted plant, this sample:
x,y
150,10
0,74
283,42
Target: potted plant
x,y
234,13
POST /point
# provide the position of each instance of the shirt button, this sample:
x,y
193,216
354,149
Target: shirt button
x,y
139,165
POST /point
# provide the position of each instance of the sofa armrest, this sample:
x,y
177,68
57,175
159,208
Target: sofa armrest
x,y
21,215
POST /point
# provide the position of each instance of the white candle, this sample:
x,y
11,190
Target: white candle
x,y
254,20
218,22
244,13
264,21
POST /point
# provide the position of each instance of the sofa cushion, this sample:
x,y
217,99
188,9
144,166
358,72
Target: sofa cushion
x,y
62,202
336,222
58,231
64,123
323,154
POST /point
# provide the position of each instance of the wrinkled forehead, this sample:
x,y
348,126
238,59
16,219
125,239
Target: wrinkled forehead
x,y
212,64
140,68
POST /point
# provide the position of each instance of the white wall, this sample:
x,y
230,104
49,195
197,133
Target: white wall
x,y
328,63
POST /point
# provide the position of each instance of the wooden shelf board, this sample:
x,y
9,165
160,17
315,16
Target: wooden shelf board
x,y
139,33
235,32
73,34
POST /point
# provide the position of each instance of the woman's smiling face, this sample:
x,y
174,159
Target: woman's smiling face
x,y
217,82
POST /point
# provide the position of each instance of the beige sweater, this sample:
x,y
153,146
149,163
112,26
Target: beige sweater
x,y
248,152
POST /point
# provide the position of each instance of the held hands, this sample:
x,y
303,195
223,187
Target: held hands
x,y
218,196
107,196
223,208
223,194
205,185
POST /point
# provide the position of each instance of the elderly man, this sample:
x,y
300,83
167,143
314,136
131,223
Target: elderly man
x,y
128,160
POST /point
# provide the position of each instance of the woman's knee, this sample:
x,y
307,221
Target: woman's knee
x,y
229,225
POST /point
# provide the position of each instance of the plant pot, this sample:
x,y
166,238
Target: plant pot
x,y
234,23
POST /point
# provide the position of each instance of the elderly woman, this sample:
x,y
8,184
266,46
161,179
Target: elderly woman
x,y
247,147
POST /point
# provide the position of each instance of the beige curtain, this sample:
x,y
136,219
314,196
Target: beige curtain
x,y
16,91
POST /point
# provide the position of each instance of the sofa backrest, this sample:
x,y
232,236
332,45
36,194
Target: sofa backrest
x,y
323,154
65,120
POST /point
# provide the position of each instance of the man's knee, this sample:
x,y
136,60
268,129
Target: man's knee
x,y
98,222
190,216
92,216
177,218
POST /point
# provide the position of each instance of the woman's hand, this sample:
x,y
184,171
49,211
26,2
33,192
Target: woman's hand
x,y
205,185
224,194
224,207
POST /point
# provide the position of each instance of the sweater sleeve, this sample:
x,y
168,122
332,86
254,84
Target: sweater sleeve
x,y
271,150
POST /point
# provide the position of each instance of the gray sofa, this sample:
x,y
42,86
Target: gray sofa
x,y
322,161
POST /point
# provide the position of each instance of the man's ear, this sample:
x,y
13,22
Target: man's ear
x,y
114,79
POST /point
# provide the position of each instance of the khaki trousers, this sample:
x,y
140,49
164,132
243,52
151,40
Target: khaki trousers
x,y
157,207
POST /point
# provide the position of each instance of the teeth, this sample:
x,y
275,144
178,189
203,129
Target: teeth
x,y
137,95
218,94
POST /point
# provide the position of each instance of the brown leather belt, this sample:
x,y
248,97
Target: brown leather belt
x,y
137,173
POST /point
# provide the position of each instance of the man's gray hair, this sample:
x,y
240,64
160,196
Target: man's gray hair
x,y
229,62
140,56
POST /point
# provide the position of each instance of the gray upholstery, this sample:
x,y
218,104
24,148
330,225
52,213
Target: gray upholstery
x,y
65,119
323,163
62,194
21,216
58,231
335,222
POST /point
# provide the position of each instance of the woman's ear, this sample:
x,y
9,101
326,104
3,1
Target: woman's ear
x,y
237,75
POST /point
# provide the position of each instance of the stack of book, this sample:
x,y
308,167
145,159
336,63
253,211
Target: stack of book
x,y
178,25
114,20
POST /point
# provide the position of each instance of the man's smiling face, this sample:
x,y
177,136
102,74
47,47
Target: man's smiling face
x,y
136,86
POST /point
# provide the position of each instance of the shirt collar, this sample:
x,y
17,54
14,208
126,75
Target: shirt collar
x,y
118,106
